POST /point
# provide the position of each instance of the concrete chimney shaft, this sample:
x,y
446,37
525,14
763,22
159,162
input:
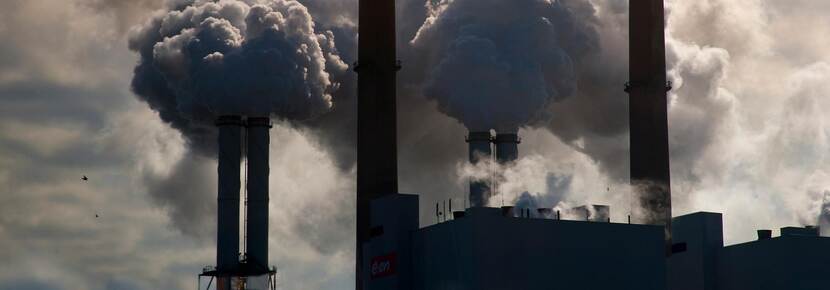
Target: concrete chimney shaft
x,y
648,113
229,157
480,150
258,170
377,167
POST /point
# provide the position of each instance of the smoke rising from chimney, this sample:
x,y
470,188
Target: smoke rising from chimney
x,y
498,64
204,59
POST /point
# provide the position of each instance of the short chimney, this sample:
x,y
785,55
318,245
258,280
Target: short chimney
x,y
764,234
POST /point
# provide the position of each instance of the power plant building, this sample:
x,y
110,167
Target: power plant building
x,y
797,259
483,249
508,248
486,250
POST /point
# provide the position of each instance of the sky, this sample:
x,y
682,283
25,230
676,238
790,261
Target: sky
x,y
748,133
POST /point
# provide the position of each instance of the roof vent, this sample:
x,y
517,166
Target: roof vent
x,y
764,234
799,232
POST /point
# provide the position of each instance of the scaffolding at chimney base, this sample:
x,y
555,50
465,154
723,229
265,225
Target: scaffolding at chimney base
x,y
239,280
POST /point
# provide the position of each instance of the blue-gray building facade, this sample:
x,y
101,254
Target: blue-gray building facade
x,y
488,250
797,259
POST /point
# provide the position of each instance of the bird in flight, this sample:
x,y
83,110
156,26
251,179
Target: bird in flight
x,y
96,215
84,178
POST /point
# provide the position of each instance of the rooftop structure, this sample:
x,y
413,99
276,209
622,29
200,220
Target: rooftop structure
x,y
486,249
795,260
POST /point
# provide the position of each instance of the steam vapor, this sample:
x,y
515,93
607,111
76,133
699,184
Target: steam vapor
x,y
202,59
499,64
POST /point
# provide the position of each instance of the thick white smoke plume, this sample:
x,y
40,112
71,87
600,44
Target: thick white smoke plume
x,y
495,64
201,59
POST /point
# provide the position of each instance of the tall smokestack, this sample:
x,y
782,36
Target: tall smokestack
x,y
377,164
230,154
257,241
479,148
648,116
507,147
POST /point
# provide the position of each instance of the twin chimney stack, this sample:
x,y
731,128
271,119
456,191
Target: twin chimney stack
x,y
255,263
481,146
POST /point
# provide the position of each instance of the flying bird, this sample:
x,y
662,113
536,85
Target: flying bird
x,y
84,178
96,215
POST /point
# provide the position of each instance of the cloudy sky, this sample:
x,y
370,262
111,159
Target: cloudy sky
x,y
749,136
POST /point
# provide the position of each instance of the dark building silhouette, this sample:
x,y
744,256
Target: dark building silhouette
x,y
794,260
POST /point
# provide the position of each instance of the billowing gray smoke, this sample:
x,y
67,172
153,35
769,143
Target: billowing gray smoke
x,y
824,215
499,64
202,59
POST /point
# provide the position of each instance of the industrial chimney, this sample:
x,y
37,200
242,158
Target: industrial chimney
x,y
507,147
377,166
648,116
480,151
257,206
229,157
229,269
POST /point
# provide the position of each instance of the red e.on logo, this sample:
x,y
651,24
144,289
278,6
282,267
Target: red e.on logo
x,y
383,266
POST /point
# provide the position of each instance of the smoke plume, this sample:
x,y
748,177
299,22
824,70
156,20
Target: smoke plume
x,y
202,59
499,64
824,215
